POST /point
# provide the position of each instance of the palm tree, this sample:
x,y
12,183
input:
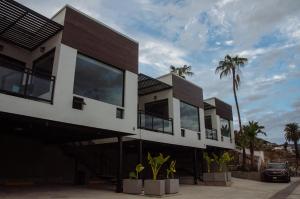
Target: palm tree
x,y
230,66
292,133
182,71
251,131
242,142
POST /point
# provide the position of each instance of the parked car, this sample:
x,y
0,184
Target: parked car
x,y
276,172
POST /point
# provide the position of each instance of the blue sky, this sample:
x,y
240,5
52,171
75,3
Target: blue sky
x,y
200,33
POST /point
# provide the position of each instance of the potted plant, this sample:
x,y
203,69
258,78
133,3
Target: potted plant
x,y
134,185
208,176
172,184
221,176
154,186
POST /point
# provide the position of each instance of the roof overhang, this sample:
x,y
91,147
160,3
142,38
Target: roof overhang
x,y
208,106
147,85
25,27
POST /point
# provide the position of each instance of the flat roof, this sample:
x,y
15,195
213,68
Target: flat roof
x,y
24,27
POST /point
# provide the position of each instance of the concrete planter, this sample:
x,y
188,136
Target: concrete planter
x,y
217,179
172,186
220,177
208,177
154,187
132,186
229,176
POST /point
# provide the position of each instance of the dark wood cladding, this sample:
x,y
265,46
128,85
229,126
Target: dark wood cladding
x,y
223,109
100,42
187,92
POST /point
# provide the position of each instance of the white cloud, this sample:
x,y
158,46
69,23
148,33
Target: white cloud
x,y
292,66
229,42
161,55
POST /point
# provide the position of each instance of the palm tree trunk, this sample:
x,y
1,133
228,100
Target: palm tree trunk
x,y
244,159
239,116
297,154
252,155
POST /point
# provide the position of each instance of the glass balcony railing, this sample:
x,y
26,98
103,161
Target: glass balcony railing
x,y
211,134
155,123
27,84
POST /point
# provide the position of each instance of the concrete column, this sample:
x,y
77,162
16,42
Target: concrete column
x,y
119,188
195,165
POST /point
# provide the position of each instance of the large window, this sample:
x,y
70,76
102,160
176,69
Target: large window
x,y
98,81
11,74
225,127
189,117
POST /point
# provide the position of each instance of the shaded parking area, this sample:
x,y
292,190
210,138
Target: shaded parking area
x,y
240,189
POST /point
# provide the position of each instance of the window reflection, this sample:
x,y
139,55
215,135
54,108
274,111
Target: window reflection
x,y
225,127
189,117
98,81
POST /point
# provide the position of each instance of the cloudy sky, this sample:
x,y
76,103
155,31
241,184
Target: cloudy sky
x,y
200,33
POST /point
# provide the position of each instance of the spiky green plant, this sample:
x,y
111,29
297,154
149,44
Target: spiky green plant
x,y
135,174
156,163
222,161
208,160
171,170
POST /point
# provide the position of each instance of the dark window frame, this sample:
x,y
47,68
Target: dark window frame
x,y
26,72
205,118
112,66
155,102
42,57
18,68
198,113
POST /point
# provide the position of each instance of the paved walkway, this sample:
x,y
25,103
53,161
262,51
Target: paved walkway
x,y
240,189
288,192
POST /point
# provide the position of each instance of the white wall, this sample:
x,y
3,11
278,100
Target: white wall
x,y
191,137
95,114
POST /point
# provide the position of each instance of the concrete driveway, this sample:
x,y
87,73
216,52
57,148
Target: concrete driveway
x,y
240,189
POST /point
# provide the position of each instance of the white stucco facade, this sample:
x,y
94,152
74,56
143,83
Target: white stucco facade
x,y
95,114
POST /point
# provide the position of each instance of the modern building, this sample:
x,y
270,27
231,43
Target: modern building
x,y
73,107
219,130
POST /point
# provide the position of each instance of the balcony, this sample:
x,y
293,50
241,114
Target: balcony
x,y
23,82
155,123
211,134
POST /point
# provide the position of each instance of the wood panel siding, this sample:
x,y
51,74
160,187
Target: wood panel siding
x,y
96,40
223,109
187,92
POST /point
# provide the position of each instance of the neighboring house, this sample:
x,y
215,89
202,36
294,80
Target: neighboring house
x,y
218,124
259,158
70,94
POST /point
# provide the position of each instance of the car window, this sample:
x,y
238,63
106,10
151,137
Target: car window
x,y
276,166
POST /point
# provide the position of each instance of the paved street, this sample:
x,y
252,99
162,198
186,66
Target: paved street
x,y
240,189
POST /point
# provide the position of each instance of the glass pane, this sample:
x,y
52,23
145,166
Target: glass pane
x,y
44,64
167,126
189,117
141,120
40,87
157,124
98,81
148,121
11,80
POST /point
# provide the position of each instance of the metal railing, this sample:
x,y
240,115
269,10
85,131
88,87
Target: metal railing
x,y
26,83
211,134
155,123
